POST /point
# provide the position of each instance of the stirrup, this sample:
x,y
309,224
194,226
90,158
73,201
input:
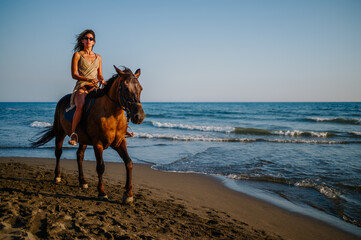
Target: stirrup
x,y
129,134
71,141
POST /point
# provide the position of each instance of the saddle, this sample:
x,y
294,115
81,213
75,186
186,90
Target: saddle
x,y
89,101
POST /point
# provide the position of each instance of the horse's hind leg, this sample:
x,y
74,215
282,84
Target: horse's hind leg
x,y
123,153
59,138
98,150
80,158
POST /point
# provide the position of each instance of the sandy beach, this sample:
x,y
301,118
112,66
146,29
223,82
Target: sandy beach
x,y
166,206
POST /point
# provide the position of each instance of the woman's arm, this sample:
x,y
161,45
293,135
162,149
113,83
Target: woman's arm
x,y
100,71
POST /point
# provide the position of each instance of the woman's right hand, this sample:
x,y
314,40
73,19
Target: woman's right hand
x,y
93,81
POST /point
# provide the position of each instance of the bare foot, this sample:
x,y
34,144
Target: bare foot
x,y
73,139
128,134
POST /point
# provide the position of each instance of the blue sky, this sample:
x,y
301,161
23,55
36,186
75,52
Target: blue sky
x,y
239,51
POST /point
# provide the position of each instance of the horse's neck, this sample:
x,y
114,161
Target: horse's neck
x,y
111,101
113,92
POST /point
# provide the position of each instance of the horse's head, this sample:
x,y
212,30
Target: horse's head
x,y
129,92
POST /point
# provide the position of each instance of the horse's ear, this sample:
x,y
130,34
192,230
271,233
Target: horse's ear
x,y
137,73
118,70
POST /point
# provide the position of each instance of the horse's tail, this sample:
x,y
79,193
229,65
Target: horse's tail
x,y
47,135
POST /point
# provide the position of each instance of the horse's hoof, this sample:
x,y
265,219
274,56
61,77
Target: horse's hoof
x,y
84,186
57,179
127,200
103,198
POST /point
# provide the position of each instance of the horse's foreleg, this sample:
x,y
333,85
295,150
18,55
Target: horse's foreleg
x,y
59,138
80,158
123,153
98,150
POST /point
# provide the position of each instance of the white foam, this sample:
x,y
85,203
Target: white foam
x,y
305,183
336,119
296,133
192,138
323,189
212,139
318,119
302,141
319,134
328,192
238,176
40,124
193,127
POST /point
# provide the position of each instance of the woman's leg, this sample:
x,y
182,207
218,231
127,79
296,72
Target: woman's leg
x,y
79,100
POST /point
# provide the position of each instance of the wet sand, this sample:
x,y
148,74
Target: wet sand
x,y
166,206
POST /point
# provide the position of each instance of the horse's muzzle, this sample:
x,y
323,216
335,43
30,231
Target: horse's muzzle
x,y
137,114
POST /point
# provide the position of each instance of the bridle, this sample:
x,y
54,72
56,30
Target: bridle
x,y
124,104
116,103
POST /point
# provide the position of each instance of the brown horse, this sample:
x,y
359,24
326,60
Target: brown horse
x,y
105,126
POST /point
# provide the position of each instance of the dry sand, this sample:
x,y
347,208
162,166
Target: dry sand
x,y
166,206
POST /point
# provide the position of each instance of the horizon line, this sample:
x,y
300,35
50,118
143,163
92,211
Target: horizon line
x,y
205,102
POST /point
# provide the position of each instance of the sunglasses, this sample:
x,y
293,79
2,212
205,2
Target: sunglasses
x,y
88,38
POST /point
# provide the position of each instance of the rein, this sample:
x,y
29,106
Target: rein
x,y
116,103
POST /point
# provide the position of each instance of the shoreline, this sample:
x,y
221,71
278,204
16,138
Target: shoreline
x,y
197,192
290,206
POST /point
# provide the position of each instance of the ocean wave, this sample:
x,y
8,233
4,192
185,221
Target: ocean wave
x,y
355,134
298,133
259,178
355,121
327,191
188,138
241,140
38,124
244,131
193,127
290,133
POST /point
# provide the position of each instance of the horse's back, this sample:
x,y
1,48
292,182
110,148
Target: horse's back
x,y
64,101
61,106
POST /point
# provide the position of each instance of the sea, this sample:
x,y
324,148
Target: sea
x,y
304,157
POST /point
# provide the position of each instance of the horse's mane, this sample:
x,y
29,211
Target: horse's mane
x,y
101,92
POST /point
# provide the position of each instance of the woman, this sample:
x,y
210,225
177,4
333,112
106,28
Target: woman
x,y
86,68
